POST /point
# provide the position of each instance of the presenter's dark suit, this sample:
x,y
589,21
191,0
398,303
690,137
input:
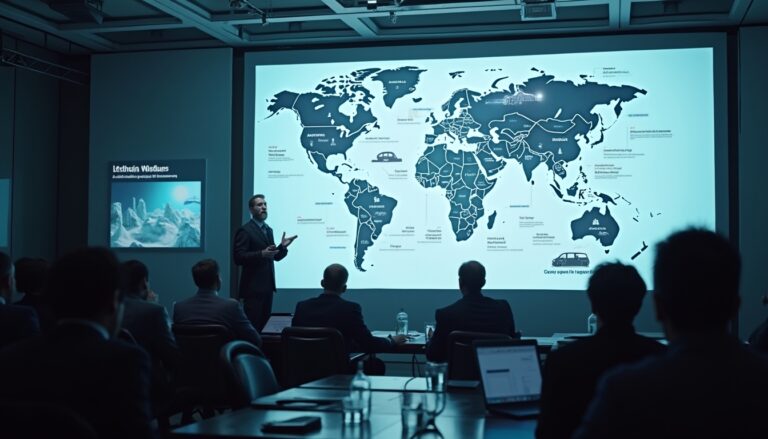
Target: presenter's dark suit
x,y
76,366
149,324
257,280
17,323
703,387
572,371
331,311
473,312
206,307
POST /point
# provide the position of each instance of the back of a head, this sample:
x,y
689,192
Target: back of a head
x,y
82,284
697,275
616,292
132,276
31,275
206,274
335,278
471,277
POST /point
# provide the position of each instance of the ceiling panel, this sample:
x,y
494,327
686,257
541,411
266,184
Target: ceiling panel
x,y
224,6
757,13
38,8
680,8
155,36
129,9
298,27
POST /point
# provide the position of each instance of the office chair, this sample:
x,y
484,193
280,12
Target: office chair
x,y
462,364
200,381
248,371
312,353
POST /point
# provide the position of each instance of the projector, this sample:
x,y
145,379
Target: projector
x,y
538,10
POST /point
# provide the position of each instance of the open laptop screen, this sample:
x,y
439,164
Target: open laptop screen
x,y
276,323
510,373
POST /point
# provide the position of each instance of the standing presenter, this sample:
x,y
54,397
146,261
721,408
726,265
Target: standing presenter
x,y
254,249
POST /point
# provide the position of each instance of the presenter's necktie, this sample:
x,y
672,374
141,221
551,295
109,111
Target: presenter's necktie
x,y
265,230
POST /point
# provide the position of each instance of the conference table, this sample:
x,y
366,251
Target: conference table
x,y
464,415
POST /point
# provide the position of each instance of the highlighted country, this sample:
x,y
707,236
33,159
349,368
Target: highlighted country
x,y
602,227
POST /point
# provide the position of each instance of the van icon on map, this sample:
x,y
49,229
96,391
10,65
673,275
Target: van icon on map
x,y
385,157
571,260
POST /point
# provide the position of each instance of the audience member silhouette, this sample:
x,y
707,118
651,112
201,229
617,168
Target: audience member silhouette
x,y
206,307
76,364
31,276
330,310
473,312
16,322
571,372
149,324
708,384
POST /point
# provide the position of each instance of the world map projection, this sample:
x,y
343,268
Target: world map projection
x,y
540,167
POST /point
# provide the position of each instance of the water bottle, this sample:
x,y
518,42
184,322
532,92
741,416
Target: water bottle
x,y
360,392
402,323
592,323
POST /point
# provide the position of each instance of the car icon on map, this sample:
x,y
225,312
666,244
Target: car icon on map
x,y
386,156
571,259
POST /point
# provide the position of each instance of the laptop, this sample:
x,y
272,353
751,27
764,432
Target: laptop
x,y
510,373
277,322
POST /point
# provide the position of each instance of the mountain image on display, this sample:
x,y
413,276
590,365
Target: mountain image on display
x,y
156,214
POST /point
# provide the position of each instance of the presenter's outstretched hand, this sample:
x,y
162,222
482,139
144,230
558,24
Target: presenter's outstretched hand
x,y
270,252
285,242
399,339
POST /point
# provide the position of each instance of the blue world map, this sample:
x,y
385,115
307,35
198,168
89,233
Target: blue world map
x,y
494,126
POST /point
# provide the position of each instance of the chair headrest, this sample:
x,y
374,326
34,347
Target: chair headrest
x,y
239,347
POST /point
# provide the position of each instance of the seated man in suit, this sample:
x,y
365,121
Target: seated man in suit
x,y
616,293
16,322
77,365
708,384
329,310
31,276
149,324
207,308
473,312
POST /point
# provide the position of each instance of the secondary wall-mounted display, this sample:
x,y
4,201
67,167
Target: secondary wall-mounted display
x,y
157,204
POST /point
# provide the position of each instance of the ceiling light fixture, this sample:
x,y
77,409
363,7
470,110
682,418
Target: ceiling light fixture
x,y
372,4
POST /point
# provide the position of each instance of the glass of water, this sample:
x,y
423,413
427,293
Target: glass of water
x,y
412,411
429,330
435,374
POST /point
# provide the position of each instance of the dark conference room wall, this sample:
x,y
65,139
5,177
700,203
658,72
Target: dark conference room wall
x,y
43,150
753,179
168,105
